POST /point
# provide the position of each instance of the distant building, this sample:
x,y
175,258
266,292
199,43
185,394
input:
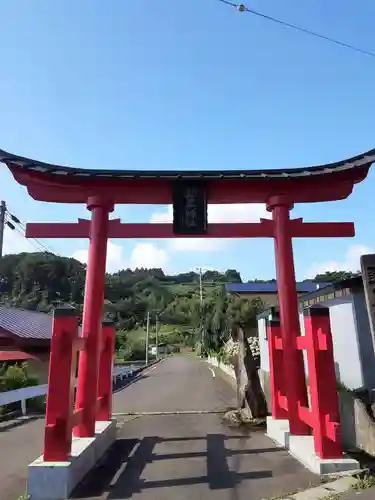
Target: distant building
x,y
267,292
163,349
26,336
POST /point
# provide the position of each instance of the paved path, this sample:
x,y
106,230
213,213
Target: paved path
x,y
18,447
183,457
171,457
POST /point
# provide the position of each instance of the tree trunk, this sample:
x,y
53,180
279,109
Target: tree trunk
x,y
250,395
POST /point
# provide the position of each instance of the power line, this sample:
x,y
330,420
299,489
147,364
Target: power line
x,y
15,224
18,230
242,8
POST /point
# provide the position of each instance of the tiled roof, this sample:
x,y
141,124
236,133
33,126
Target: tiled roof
x,y
365,159
14,356
302,287
26,324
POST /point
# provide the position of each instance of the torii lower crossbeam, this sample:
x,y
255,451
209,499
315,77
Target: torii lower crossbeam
x,y
263,229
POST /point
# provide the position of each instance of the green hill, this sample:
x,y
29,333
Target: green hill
x,y
40,281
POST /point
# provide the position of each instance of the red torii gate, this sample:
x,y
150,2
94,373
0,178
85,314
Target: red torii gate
x,y
100,190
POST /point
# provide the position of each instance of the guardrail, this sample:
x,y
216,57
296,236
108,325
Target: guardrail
x,y
22,395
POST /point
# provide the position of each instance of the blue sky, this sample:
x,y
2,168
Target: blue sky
x,y
189,84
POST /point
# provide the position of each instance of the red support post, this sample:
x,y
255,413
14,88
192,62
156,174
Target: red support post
x,y
294,372
322,382
60,395
87,387
277,386
104,408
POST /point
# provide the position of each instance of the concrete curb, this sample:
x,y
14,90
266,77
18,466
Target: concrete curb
x,y
324,491
18,421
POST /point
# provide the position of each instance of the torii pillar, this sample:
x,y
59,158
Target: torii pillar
x,y
88,368
293,365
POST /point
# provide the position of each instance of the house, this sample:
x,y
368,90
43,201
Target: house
x,y
351,335
162,349
267,292
26,336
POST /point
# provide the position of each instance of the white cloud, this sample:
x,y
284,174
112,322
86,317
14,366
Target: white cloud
x,y
163,217
237,212
82,256
14,242
349,262
144,255
148,255
115,258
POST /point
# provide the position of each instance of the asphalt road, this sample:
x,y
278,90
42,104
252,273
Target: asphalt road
x,y
172,457
181,457
18,447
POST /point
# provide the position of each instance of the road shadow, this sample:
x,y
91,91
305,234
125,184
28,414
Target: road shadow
x,y
118,475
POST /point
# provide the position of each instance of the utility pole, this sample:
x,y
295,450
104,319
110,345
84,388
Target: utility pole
x,y
157,336
147,334
201,306
3,209
200,286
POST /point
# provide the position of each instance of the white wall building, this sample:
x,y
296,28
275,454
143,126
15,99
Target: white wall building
x,y
352,340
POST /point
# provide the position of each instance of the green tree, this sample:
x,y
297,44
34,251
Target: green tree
x,y
40,281
332,276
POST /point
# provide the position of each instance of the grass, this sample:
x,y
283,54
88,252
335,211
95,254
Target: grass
x,y
331,496
25,496
364,482
164,331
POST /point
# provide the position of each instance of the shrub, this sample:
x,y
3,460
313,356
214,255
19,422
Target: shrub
x,y
16,377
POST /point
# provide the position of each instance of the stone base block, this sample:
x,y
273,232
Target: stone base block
x,y
56,480
302,448
278,431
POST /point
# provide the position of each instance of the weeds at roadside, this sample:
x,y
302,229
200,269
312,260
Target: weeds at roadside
x,y
364,482
25,496
331,496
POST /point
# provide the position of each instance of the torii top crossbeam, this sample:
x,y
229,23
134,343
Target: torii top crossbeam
x,y
53,183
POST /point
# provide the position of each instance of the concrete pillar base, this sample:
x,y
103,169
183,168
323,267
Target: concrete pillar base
x,y
302,449
278,431
56,480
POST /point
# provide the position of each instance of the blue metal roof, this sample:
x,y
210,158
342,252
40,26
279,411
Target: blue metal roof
x,y
302,287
